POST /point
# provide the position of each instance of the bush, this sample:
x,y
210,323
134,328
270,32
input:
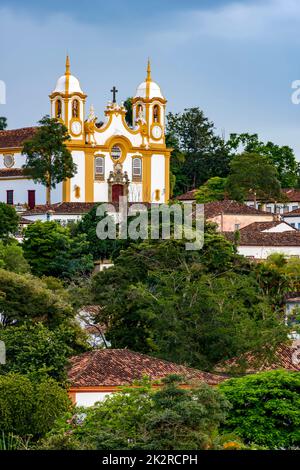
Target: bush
x,y
29,408
265,408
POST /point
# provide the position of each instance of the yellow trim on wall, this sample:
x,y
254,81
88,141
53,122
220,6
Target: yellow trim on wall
x,y
67,190
89,176
167,178
146,171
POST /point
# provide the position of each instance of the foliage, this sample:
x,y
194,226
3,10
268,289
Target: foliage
x,y
48,161
188,307
265,408
52,251
198,153
3,123
282,158
212,190
249,173
9,221
30,408
37,351
128,107
171,418
12,258
24,297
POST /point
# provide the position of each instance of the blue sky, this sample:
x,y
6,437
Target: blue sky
x,y
234,59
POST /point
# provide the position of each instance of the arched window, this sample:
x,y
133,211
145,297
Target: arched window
x,y
75,108
58,109
136,168
140,111
99,168
156,113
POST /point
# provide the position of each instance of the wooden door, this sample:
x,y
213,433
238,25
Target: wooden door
x,y
117,191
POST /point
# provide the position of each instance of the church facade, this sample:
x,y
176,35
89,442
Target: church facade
x,y
113,159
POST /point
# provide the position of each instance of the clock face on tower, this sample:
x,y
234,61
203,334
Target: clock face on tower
x,y
156,132
76,128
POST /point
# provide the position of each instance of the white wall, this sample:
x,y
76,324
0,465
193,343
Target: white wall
x,y
158,177
21,186
90,398
79,179
293,220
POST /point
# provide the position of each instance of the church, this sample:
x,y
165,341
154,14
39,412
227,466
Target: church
x,y
113,159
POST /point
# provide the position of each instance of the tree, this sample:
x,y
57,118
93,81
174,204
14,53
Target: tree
x,y
51,251
12,258
208,303
252,173
282,157
205,154
128,107
265,408
3,123
9,221
48,161
41,305
171,418
30,408
212,190
37,351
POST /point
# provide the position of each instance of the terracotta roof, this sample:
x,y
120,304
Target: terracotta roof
x,y
261,226
292,213
212,209
286,357
62,208
10,172
116,367
256,238
293,195
24,221
16,137
190,195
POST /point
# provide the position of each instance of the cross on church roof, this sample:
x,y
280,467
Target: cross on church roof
x,y
114,91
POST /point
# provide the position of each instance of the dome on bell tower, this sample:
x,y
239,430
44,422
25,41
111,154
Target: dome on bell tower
x,y
67,83
148,88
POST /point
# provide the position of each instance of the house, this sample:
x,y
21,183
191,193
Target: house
x,y
286,356
258,245
96,374
293,218
62,212
231,215
291,203
189,196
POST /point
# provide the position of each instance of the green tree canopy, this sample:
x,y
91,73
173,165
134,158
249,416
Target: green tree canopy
x,y
9,221
3,123
30,408
48,161
251,173
24,297
171,418
51,250
265,408
37,351
192,135
282,157
128,107
12,258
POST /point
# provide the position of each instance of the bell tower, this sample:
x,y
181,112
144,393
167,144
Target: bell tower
x,y
148,108
68,103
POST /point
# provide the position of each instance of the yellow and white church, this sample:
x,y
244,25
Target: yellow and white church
x,y
112,158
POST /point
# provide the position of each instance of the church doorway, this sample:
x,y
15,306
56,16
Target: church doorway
x,y
117,191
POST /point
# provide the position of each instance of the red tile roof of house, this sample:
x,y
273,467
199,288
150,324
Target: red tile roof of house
x,y
292,213
213,209
117,367
292,195
10,172
16,137
261,226
256,238
188,196
286,357
62,208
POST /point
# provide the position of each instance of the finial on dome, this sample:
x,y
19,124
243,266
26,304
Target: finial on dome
x,y
68,66
148,79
